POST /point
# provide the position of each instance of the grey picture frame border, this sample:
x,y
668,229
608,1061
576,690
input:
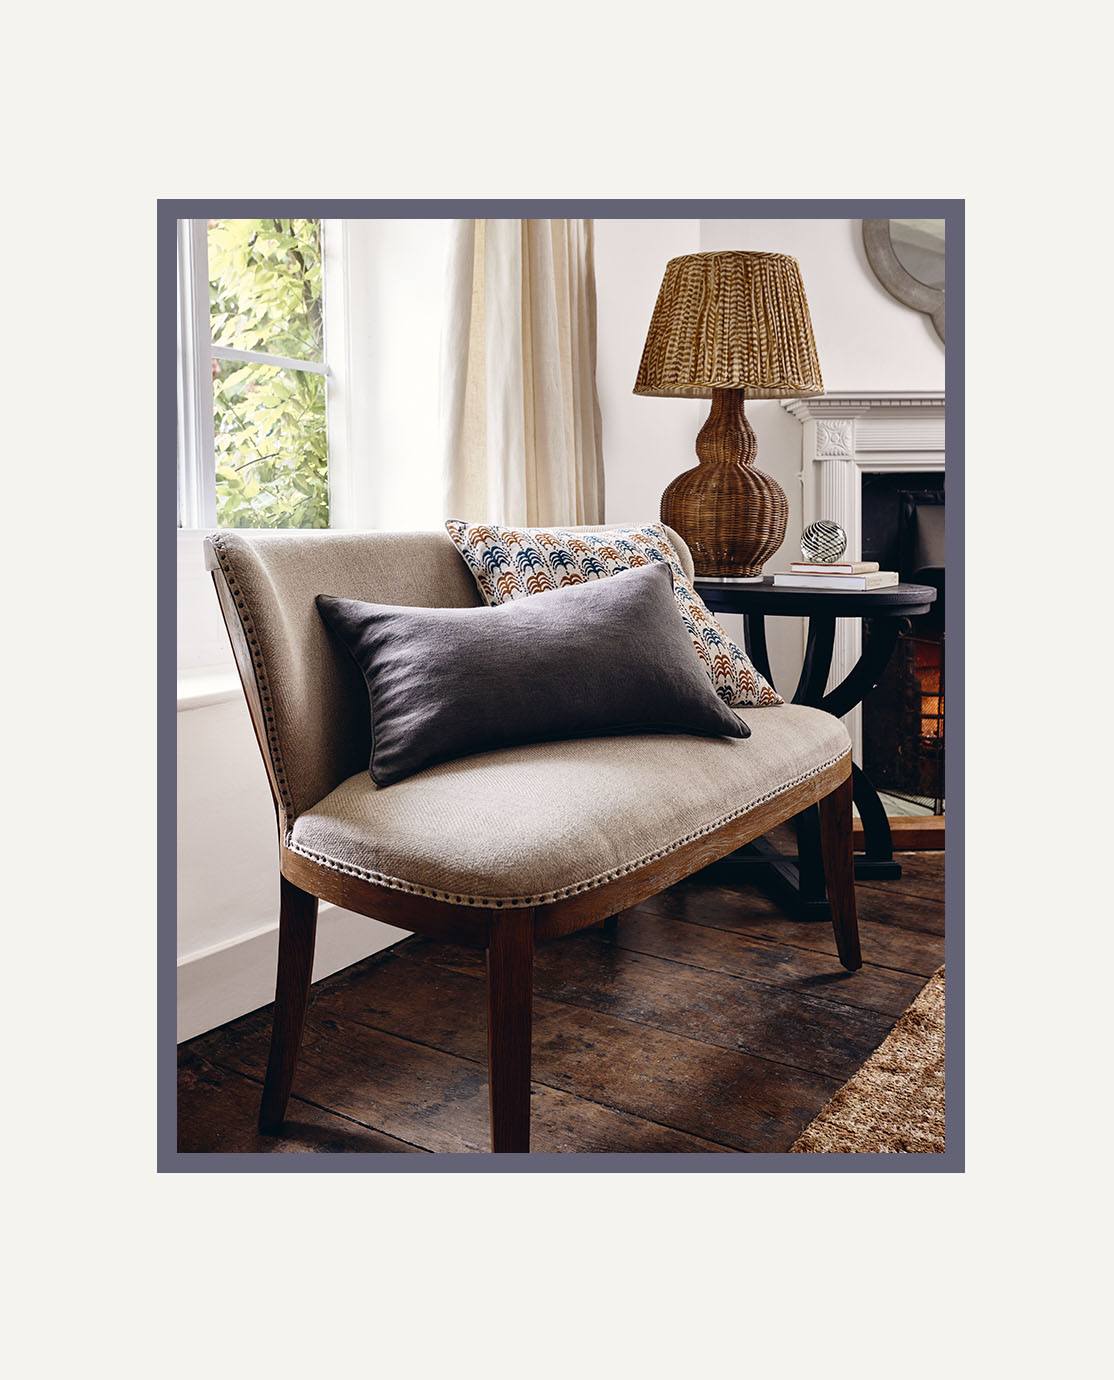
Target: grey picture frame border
x,y
172,1161
896,279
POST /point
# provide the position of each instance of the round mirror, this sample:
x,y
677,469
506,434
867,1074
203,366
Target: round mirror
x,y
907,257
919,246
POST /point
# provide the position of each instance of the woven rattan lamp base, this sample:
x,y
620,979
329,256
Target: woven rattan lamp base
x,y
731,515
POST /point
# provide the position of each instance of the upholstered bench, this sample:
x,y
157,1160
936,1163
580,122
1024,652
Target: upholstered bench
x,y
498,850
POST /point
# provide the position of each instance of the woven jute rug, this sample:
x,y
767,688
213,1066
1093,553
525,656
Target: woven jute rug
x,y
895,1103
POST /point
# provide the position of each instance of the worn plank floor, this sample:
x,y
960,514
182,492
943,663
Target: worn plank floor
x,y
714,1022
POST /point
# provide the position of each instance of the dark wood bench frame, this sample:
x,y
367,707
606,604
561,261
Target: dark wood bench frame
x,y
507,936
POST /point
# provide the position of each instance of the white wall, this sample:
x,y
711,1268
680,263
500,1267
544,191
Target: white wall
x,y
865,340
646,441
864,337
228,871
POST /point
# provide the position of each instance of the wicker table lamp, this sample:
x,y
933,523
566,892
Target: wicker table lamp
x,y
729,326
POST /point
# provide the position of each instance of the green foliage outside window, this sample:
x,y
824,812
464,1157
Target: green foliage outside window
x,y
270,440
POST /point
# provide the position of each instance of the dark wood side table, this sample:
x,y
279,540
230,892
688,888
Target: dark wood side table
x,y
800,880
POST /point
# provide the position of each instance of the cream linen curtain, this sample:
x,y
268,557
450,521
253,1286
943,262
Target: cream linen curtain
x,y
519,410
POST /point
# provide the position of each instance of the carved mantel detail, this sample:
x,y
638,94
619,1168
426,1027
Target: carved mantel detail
x,y
835,440
845,435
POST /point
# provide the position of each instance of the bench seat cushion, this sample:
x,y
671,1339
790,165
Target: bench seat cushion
x,y
529,825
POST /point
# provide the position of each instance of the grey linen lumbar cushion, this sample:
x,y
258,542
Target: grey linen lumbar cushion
x,y
612,656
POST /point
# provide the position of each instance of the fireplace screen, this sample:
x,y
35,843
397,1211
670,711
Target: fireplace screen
x,y
903,719
903,745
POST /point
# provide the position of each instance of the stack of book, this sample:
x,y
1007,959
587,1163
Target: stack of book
x,y
843,575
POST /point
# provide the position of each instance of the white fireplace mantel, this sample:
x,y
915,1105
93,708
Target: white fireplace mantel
x,y
846,435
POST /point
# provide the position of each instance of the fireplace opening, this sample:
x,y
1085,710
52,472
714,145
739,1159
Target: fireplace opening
x,y
903,719
928,657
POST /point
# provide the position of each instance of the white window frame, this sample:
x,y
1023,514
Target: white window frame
x,y
197,471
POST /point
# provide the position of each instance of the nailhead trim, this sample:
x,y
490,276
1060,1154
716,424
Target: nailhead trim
x,y
498,902
218,541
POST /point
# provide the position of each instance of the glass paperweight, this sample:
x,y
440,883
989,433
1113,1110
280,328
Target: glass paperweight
x,y
823,542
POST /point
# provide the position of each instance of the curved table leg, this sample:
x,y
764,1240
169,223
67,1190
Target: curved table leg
x,y
810,689
817,663
800,881
754,640
810,865
878,845
864,676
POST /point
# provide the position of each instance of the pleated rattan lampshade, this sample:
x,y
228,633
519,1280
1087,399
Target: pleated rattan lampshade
x,y
729,326
737,319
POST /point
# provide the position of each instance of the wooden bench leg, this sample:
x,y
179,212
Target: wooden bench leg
x,y
510,979
839,872
611,928
297,931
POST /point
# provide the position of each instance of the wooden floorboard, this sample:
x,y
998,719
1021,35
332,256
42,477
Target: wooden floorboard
x,y
218,1107
714,1008
694,1087
747,911
922,874
920,908
807,972
712,1022
427,1097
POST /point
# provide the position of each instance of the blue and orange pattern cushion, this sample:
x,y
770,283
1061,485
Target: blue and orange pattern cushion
x,y
513,563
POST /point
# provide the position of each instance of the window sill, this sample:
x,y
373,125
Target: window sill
x,y
212,685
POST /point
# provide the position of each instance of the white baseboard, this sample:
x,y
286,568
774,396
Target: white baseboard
x,y
218,984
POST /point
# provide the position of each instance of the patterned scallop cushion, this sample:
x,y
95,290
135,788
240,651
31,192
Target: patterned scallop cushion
x,y
512,563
